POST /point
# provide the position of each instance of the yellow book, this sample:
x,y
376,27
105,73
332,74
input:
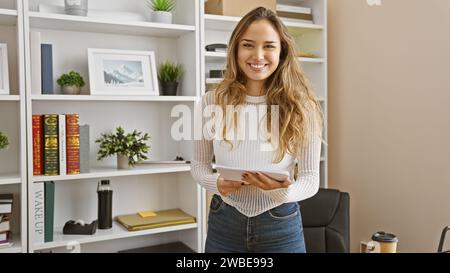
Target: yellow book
x,y
133,222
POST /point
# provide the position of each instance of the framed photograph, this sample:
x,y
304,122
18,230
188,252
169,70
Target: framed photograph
x,y
4,76
122,72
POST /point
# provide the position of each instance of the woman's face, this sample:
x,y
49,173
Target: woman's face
x,y
259,51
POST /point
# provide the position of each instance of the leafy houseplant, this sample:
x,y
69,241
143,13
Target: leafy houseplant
x,y
130,148
71,83
161,10
168,75
3,141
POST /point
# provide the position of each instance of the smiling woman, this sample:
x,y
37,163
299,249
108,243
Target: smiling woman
x,y
259,55
258,213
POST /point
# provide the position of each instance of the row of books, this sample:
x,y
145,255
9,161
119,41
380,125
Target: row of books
x,y
6,203
41,54
60,145
44,211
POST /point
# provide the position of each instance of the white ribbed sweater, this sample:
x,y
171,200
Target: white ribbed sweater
x,y
246,154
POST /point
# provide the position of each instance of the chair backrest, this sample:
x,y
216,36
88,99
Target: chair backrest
x,y
326,222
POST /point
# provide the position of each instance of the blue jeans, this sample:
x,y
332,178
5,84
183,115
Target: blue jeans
x,y
278,230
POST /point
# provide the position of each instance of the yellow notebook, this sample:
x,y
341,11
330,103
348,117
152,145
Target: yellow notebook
x,y
133,222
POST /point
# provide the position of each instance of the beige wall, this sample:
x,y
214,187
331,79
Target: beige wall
x,y
389,117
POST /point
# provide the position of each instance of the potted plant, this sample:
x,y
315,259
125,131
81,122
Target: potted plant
x,y
71,83
168,76
130,148
161,10
3,141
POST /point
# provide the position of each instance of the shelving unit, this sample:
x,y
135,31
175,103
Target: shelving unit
x,y
116,232
10,178
12,123
9,98
78,98
105,172
86,24
146,186
311,37
8,17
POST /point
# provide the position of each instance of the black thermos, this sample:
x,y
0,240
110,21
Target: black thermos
x,y
104,192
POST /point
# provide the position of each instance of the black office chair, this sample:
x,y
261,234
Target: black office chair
x,y
326,224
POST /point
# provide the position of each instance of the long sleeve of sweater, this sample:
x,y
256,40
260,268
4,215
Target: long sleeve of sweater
x,y
203,153
308,181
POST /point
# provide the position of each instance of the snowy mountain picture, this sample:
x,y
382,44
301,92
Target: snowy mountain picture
x,y
123,73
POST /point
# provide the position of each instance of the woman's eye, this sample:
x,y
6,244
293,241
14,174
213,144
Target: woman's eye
x,y
270,46
247,45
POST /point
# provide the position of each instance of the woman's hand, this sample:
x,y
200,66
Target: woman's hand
x,y
264,182
226,187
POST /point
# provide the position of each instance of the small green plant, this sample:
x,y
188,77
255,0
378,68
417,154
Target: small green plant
x,y
73,78
3,141
161,5
132,145
169,72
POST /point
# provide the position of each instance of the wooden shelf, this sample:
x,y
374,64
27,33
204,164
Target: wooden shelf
x,y
110,98
141,169
100,25
116,232
9,97
228,23
9,178
8,17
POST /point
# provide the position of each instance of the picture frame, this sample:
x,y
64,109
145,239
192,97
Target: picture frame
x,y
4,75
122,72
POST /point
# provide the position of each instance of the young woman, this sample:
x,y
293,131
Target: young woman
x,y
261,215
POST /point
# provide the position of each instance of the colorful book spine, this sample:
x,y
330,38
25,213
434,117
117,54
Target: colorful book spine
x,y
47,68
62,144
51,154
49,210
38,147
73,144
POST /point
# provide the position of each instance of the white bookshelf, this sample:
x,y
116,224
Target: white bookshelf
x,y
9,98
146,186
77,98
8,17
12,122
10,178
312,37
86,24
116,232
106,172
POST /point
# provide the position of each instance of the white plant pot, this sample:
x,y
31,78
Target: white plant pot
x,y
71,90
161,17
122,162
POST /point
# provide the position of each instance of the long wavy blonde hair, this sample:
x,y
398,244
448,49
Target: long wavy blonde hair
x,y
287,87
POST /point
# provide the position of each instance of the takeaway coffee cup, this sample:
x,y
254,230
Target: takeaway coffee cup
x,y
382,242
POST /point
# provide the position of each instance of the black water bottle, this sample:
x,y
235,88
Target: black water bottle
x,y
104,192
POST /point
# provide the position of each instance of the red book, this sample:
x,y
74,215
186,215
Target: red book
x,y
38,145
72,144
